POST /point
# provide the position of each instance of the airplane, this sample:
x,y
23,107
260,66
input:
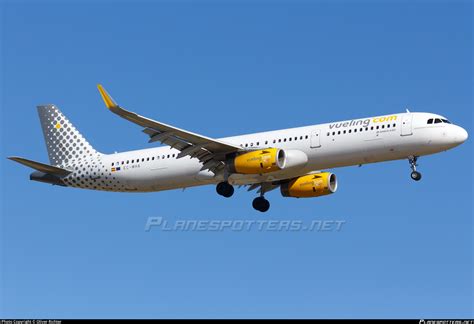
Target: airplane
x,y
290,159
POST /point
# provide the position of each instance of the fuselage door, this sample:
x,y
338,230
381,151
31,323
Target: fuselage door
x,y
316,138
407,124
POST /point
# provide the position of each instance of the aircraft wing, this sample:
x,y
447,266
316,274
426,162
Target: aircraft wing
x,y
209,151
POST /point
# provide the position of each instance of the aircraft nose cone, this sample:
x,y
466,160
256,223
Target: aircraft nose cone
x,y
461,135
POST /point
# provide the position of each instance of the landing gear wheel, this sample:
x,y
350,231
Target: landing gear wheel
x,y
225,189
415,175
261,204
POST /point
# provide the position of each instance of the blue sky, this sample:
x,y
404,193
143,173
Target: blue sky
x,y
220,69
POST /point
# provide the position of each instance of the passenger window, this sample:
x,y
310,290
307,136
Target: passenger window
x,y
279,140
301,137
430,121
333,133
355,130
306,136
266,142
112,163
394,125
383,126
344,131
339,133
350,131
274,141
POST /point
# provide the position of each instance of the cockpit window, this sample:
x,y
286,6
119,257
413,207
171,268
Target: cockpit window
x,y
438,121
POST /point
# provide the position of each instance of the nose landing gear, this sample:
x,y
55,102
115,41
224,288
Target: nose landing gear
x,y
415,175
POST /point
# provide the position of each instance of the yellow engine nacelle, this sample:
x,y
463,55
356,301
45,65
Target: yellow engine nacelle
x,y
312,185
258,162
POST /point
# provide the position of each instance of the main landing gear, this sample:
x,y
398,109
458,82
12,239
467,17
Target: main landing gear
x,y
261,204
225,189
415,175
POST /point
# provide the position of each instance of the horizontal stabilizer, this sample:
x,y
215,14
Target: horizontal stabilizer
x,y
45,168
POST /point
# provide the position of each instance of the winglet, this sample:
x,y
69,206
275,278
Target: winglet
x,y
109,102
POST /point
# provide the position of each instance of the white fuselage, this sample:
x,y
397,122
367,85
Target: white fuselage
x,y
331,145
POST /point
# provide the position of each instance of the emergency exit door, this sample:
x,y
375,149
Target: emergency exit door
x,y
316,138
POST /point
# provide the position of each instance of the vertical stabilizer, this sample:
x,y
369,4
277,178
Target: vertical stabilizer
x,y
63,141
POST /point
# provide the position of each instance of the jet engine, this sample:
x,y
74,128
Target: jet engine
x,y
267,160
311,185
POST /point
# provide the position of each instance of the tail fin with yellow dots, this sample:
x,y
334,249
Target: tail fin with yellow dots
x,y
63,141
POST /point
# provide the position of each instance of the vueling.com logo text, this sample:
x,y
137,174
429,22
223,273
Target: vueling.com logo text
x,y
363,122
